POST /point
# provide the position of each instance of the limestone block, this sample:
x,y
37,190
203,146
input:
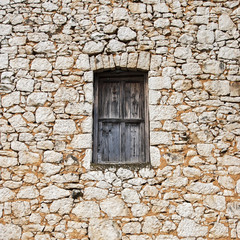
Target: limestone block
x,y
185,210
44,47
228,160
144,61
219,230
52,157
175,182
18,146
41,64
147,173
205,36
92,47
115,46
48,6
162,112
81,141
130,196
5,29
229,53
49,169
53,192
62,206
191,69
160,137
37,37
156,61
160,7
20,63
49,86
233,209
149,191
10,232
120,14
186,39
207,117
86,125
205,149
132,228
183,53
3,61
189,117
161,23
37,99
139,209
155,156
226,182
126,34
238,187
64,63
11,99
64,94
158,83
6,195
114,207
137,7
215,202
151,225
189,228
87,209
88,92
103,19
28,192
25,85
94,193
213,67
103,229
78,108
167,237
64,126
26,157
124,174
191,172
6,162
59,19
17,121
4,2
44,114
21,208
217,87
82,62
203,188
225,23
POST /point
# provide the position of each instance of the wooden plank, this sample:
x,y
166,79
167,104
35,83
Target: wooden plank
x,y
109,142
134,143
134,100
109,106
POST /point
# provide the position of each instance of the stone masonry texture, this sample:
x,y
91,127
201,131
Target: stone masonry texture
x,y
49,51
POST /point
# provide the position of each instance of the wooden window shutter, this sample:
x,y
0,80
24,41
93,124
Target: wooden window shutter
x,y
120,118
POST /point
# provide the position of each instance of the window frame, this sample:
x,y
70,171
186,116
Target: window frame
x,y
146,139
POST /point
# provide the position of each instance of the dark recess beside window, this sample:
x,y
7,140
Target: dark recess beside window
x,y
120,118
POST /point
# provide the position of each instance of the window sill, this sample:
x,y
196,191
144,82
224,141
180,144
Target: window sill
x,y
132,166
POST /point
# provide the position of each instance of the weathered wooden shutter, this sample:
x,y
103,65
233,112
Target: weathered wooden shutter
x,y
120,118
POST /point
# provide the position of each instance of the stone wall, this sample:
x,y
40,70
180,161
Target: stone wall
x,y
49,52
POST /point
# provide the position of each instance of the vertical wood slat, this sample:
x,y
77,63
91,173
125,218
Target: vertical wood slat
x,y
109,142
134,150
134,103
109,100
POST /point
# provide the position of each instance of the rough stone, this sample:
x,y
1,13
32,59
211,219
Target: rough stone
x,y
151,225
81,141
53,192
87,209
95,193
189,228
25,85
6,194
203,188
44,114
64,126
3,61
11,99
37,99
126,34
93,47
10,231
41,64
28,192
219,230
102,229
114,207
130,196
64,63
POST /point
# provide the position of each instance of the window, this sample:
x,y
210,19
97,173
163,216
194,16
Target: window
x,y
120,118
